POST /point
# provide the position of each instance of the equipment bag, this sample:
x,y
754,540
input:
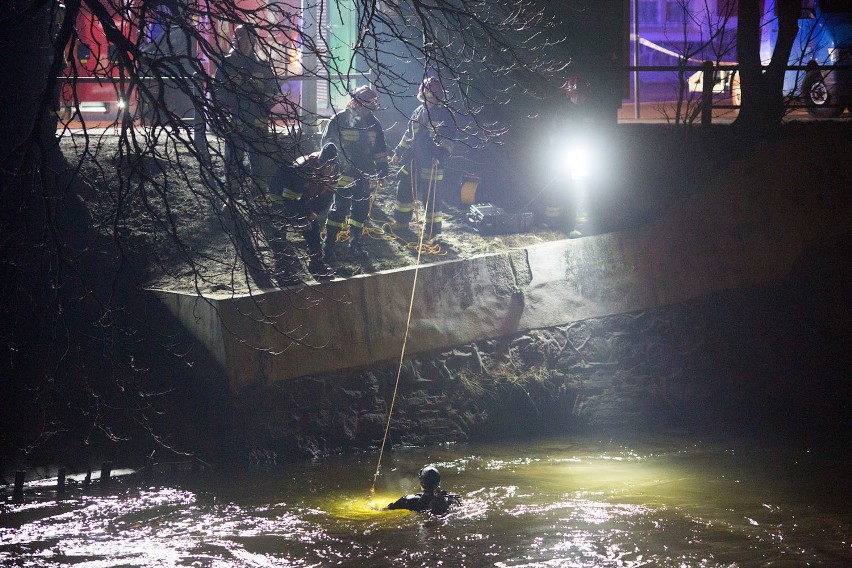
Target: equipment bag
x,y
489,219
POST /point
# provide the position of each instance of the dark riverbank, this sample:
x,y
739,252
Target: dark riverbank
x,y
769,359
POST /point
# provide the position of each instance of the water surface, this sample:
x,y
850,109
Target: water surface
x,y
662,501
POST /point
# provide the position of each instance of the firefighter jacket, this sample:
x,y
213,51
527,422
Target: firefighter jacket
x,y
303,188
427,136
245,88
361,145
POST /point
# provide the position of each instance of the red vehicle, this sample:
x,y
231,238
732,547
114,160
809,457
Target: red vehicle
x,y
96,73
91,61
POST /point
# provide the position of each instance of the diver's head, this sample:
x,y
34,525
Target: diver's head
x,y
429,478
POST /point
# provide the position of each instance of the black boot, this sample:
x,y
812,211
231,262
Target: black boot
x,y
328,246
287,266
356,249
318,269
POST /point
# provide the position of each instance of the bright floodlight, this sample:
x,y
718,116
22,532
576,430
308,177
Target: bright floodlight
x,y
577,161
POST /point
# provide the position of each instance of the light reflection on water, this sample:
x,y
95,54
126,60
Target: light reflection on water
x,y
655,502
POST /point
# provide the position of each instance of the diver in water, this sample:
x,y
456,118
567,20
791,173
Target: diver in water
x,y
433,499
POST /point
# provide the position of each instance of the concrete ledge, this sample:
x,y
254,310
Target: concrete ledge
x,y
283,334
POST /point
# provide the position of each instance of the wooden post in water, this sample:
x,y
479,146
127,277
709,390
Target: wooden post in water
x,y
18,490
60,481
106,470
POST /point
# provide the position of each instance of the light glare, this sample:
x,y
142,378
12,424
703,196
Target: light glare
x,y
577,159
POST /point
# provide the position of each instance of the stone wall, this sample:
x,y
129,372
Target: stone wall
x,y
768,359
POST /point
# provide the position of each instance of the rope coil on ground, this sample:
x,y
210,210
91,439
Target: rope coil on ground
x,y
385,230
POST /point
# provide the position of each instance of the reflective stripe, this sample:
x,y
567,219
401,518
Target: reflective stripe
x,y
345,180
426,173
290,194
434,218
268,198
356,224
405,207
334,223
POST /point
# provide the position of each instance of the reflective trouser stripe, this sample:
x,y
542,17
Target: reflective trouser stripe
x,y
333,223
551,212
426,174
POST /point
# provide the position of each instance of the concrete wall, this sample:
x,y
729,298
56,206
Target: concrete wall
x,y
736,235
283,334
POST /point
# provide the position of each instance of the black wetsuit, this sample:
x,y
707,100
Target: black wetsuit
x,y
435,502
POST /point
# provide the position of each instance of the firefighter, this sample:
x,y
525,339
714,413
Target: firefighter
x,y
564,204
245,90
423,151
433,499
66,90
307,189
363,154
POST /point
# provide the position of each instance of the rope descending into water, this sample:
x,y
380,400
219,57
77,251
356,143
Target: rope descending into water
x,y
432,184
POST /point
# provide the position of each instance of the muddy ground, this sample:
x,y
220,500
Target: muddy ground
x,y
175,227
173,221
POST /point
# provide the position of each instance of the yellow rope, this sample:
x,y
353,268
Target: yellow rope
x,y
343,233
368,230
384,231
398,372
431,197
433,249
432,185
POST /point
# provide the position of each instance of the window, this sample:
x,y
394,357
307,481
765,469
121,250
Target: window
x,y
726,7
675,11
649,11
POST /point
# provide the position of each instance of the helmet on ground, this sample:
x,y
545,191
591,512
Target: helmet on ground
x,y
429,478
433,89
366,97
